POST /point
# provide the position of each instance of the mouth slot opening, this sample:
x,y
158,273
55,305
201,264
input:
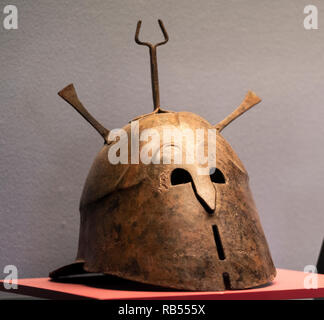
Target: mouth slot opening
x,y
227,281
218,242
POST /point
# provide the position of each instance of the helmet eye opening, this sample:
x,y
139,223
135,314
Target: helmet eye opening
x,y
180,176
216,176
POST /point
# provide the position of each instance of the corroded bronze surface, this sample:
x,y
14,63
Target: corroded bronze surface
x,y
165,224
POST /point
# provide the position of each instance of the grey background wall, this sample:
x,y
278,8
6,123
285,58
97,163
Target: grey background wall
x,y
217,51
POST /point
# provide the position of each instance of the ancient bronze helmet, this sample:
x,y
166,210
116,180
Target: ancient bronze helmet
x,y
166,224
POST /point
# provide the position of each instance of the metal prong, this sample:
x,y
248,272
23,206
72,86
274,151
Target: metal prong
x,y
165,34
70,96
137,40
250,100
153,59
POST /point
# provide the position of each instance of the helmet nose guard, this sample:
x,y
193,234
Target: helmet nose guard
x,y
205,192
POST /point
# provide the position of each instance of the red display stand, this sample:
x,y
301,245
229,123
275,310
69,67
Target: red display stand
x,y
288,284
